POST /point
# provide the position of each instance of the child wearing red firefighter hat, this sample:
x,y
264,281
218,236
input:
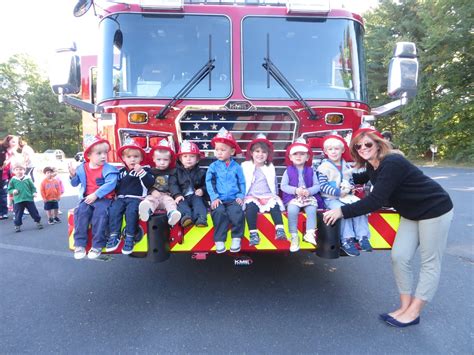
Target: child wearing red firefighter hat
x,y
225,184
133,183
188,186
261,188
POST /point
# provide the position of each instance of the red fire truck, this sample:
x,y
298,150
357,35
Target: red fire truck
x,y
183,69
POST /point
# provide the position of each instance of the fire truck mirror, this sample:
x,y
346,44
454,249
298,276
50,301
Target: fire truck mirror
x,y
403,71
65,72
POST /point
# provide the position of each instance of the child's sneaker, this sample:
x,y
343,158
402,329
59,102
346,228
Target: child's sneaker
x,y
94,253
39,225
186,222
144,210
254,238
59,212
3,216
310,237
112,243
348,247
57,220
50,221
128,245
295,243
201,222
220,247
17,229
79,253
364,244
280,234
235,245
174,217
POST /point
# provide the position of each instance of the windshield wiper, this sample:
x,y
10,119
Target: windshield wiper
x,y
205,70
283,82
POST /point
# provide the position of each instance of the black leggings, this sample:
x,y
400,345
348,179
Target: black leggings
x,y
251,212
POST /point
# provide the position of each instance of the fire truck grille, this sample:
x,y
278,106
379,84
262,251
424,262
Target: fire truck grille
x,y
201,126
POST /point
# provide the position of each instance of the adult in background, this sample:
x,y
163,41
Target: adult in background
x,y
426,213
28,157
8,150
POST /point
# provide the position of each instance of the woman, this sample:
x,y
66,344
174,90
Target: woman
x,y
426,212
28,157
8,149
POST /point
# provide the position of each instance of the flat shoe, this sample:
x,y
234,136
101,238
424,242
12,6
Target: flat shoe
x,y
397,324
384,316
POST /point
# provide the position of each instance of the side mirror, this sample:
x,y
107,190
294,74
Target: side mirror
x,y
65,71
403,71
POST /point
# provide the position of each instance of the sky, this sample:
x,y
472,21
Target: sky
x,y
38,27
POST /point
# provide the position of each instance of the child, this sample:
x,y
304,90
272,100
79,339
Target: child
x,y
300,186
24,192
335,177
51,193
225,184
98,180
261,188
188,186
159,195
132,187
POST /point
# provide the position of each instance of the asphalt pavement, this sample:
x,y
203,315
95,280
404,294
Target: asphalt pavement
x,y
51,303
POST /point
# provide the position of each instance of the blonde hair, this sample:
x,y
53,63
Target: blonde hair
x,y
332,142
129,150
383,148
17,163
95,147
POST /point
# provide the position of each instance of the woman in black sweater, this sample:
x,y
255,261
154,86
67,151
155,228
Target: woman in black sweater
x,y
426,213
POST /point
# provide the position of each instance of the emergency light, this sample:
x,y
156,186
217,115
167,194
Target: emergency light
x,y
162,4
137,117
306,6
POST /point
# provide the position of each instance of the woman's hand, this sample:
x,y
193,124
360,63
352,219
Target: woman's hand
x,y
330,217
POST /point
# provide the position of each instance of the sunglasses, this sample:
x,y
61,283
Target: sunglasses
x,y
367,145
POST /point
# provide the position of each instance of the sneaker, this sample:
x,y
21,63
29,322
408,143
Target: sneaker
x,y
79,253
235,246
112,243
220,247
50,221
17,229
57,220
174,217
128,245
185,222
348,247
59,212
310,237
201,222
295,243
364,244
94,253
254,238
26,213
39,225
144,210
280,234
3,216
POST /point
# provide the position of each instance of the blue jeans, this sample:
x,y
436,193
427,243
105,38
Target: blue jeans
x,y
3,197
95,215
357,227
228,213
293,212
193,207
19,209
121,206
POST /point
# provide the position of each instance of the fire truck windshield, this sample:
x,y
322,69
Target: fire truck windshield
x,y
321,58
154,56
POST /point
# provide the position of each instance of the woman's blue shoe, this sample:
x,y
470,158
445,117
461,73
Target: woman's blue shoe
x,y
384,316
395,323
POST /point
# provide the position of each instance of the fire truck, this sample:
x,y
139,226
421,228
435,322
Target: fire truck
x,y
183,69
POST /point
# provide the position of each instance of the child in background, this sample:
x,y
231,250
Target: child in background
x,y
132,187
300,186
159,196
335,178
188,186
24,192
225,184
261,188
97,180
51,194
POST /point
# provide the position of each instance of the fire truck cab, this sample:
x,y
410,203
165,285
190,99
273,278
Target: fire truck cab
x,y
183,69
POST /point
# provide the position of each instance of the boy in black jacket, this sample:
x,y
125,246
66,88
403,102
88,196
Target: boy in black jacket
x,y
188,186
132,187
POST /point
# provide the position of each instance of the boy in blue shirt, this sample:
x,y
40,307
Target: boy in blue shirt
x,y
225,183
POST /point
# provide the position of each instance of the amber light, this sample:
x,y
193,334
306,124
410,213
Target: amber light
x,y
138,117
334,118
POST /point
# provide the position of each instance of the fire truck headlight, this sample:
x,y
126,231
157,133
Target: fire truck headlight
x,y
334,118
138,117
